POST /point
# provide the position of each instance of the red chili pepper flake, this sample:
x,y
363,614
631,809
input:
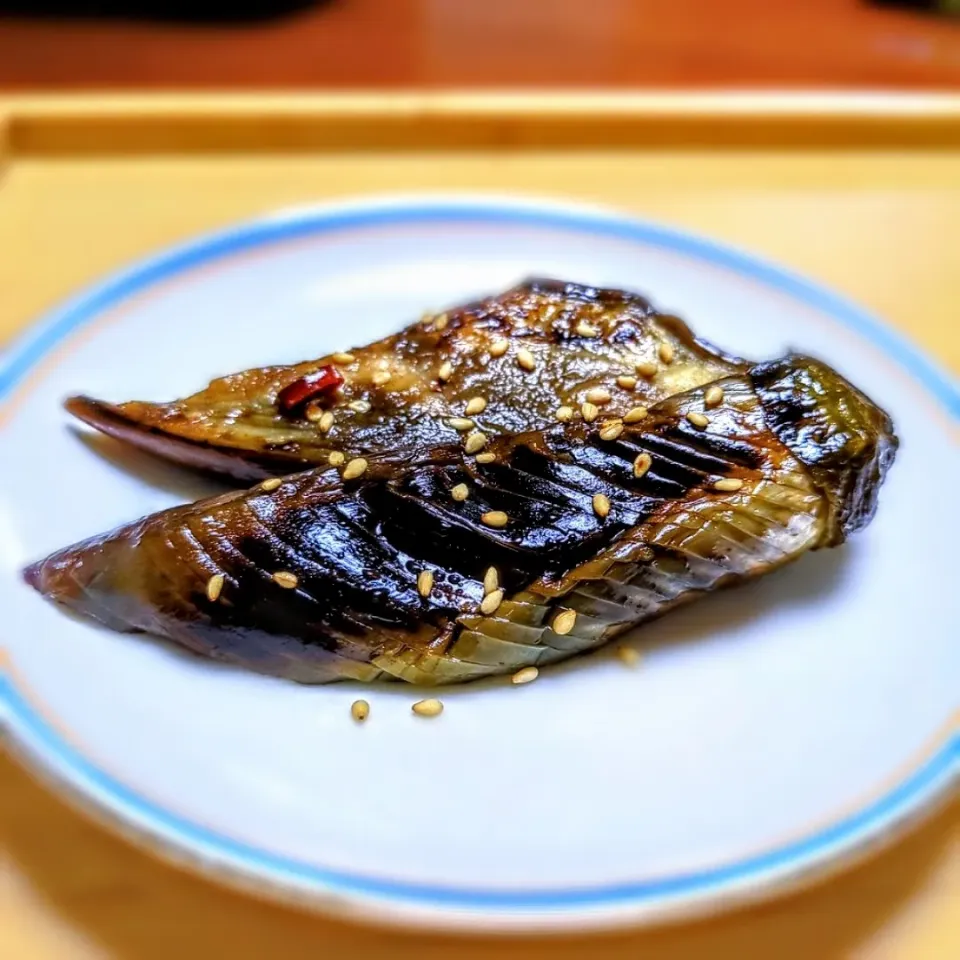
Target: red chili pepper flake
x,y
294,395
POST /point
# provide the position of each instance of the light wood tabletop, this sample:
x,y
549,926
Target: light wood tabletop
x,y
881,225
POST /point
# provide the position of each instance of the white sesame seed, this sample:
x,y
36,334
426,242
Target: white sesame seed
x,y
494,518
461,424
344,357
601,505
381,377
460,492
360,710
598,395
271,484
713,397
428,708
314,412
728,484
491,580
475,442
359,406
628,656
698,419
486,457
635,415
550,311
584,329
665,352
642,464
355,468
564,414
627,383
475,405
499,347
647,368
526,360
491,601
590,412
526,675
441,322
424,582
214,587
612,430
283,578
446,371
326,422
336,458
564,622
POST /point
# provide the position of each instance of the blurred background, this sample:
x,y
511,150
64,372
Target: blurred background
x,y
117,44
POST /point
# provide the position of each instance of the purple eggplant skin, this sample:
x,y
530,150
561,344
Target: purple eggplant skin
x,y
617,522
403,390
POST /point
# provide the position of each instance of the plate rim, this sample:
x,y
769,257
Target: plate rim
x,y
175,838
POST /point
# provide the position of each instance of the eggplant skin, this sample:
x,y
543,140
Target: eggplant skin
x,y
798,453
393,396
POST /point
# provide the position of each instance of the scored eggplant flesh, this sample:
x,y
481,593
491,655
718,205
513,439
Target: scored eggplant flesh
x,y
790,459
404,390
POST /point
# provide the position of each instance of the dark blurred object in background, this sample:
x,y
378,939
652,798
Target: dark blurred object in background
x,y
178,11
949,8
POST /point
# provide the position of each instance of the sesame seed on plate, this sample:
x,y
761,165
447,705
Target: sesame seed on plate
x,y
598,395
499,347
486,457
360,710
611,430
713,397
635,415
491,601
584,329
627,383
326,422
446,371
214,587
590,412
526,360
344,357
285,579
728,484
359,406
494,518
526,675
381,377
475,442
336,458
424,582
564,414
698,419
491,580
460,492
475,405
665,352
428,708
461,424
314,412
642,464
271,484
646,368
601,504
564,622
355,468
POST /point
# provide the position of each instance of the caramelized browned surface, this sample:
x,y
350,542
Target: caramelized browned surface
x,y
561,340
798,453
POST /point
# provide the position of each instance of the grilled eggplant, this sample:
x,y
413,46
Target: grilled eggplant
x,y
538,347
451,566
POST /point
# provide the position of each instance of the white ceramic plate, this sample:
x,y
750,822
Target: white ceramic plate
x,y
770,735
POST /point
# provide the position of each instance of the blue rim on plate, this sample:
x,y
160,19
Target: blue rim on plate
x,y
284,878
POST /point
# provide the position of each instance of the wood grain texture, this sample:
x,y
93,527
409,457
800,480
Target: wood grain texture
x,y
880,225
496,43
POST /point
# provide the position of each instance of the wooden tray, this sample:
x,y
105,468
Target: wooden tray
x,y
859,192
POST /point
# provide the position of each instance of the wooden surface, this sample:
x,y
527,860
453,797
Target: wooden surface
x,y
880,225
495,43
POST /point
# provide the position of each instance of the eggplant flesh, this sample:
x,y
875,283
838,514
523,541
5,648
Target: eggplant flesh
x,y
790,459
396,393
